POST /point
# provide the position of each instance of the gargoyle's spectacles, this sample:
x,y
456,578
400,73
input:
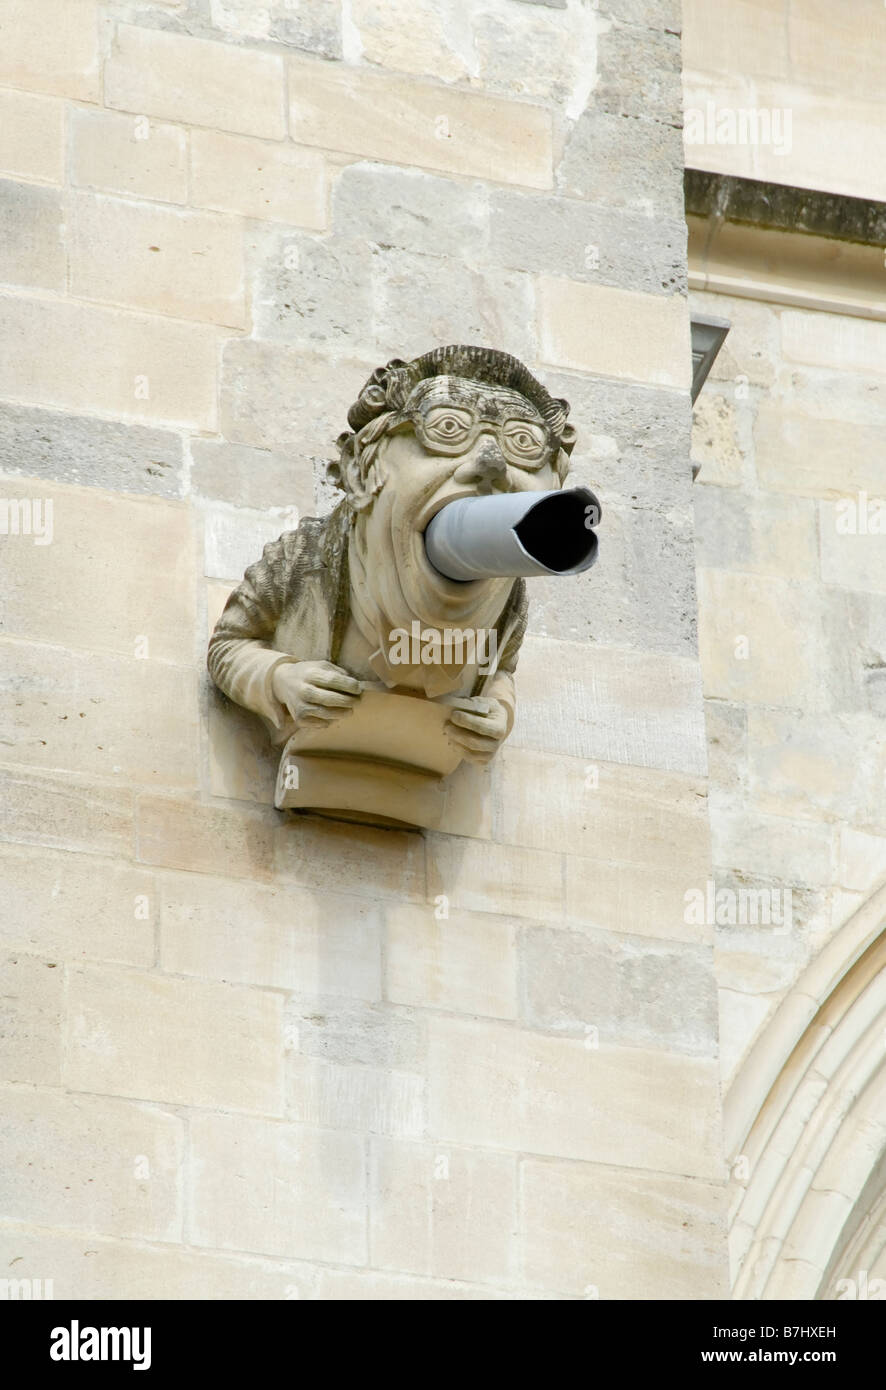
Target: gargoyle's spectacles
x,y
453,429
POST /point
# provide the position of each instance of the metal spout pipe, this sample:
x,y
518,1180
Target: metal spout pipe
x,y
514,534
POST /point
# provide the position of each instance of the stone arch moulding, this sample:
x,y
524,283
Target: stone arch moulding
x,y
807,1117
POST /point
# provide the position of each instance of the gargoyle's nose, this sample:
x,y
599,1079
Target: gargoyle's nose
x,y
486,468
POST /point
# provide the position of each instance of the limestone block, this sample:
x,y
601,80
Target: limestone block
x,y
51,47
809,766
410,209
78,907
420,299
805,453
761,846
31,136
403,121
727,731
762,534
639,73
278,1188
827,340
88,451
634,815
373,1100
502,1087
31,1010
759,639
90,1163
861,860
856,670
283,938
275,397
354,1031
123,1269
31,249
632,440
854,558
235,539
178,1041
442,1211
495,877
632,992
751,348
640,595
180,834
271,182
186,264
198,81
360,859
148,592
65,811
372,1286
594,328
642,708
130,365
254,478
748,36
598,245
450,959
624,161
315,292
128,154
313,25
586,1229
88,713
631,898
715,441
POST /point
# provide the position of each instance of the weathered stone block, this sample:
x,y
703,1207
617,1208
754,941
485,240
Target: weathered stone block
x,y
31,249
182,1042
274,183
129,154
594,328
148,594
410,209
618,990
592,1233
198,81
371,1100
455,960
495,877
91,1164
403,121
186,264
279,1188
137,366
89,452
503,1087
585,243
31,1011
281,398
282,938
78,907
624,162
52,47
87,713
445,1212
32,136
208,839
65,811
255,478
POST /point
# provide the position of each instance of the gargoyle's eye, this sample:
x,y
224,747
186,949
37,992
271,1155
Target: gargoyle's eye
x,y
448,426
526,441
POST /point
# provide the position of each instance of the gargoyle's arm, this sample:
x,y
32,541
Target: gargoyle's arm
x,y
241,659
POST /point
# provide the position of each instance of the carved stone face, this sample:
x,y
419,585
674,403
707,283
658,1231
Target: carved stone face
x,y
456,438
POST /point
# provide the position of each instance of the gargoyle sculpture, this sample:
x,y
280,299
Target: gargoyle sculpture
x,y
378,669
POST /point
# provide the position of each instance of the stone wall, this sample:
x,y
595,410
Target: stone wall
x,y
257,1057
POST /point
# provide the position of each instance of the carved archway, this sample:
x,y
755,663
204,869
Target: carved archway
x,y
809,1176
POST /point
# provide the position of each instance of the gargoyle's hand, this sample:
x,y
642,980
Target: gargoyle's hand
x,y
315,692
478,725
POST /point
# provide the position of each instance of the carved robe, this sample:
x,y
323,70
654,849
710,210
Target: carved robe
x,y
294,605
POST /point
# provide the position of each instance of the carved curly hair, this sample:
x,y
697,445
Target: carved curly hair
x,y
388,389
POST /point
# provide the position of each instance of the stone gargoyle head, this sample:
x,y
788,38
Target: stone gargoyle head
x,y
345,629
